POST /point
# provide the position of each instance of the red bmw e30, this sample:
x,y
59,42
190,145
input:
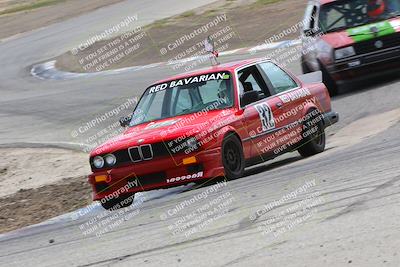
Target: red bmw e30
x,y
210,123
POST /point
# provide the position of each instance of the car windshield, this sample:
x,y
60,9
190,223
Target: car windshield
x,y
184,96
345,14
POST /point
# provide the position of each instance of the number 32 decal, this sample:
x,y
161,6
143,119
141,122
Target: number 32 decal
x,y
266,116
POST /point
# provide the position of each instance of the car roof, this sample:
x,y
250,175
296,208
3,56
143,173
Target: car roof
x,y
229,66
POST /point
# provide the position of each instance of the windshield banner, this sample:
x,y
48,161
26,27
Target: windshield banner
x,y
371,31
190,80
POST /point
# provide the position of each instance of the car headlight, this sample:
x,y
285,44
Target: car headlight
x,y
98,162
344,52
110,159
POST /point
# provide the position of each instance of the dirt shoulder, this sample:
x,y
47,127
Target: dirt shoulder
x,y
26,168
34,14
37,184
232,24
32,206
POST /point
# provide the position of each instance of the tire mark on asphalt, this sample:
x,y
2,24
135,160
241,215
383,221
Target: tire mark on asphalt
x,y
241,227
245,222
364,197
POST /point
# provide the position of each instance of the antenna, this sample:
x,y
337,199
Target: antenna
x,y
210,47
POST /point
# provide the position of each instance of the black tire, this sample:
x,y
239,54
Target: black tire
x,y
118,203
329,82
304,67
314,138
233,157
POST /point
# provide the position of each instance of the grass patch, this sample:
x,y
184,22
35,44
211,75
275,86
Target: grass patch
x,y
158,23
187,14
211,12
166,21
267,2
30,6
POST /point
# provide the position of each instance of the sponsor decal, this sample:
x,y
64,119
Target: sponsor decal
x,y
185,177
266,116
295,95
190,80
371,31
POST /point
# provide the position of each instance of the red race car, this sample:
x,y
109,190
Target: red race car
x,y
350,40
211,123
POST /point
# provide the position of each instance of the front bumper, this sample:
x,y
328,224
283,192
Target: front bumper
x,y
364,66
157,173
330,118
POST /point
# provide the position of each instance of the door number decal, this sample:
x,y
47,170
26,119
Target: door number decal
x,y
266,116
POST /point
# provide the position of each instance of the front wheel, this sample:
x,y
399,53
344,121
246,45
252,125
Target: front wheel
x,y
313,135
329,82
233,157
304,67
118,203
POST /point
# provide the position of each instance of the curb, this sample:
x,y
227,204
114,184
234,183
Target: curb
x,y
48,70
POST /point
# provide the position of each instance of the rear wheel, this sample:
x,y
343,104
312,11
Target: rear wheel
x,y
313,135
232,157
118,203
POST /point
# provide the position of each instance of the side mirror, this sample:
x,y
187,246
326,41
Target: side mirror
x,y
249,97
308,32
311,32
124,121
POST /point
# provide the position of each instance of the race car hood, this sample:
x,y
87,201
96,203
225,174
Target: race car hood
x,y
163,130
337,39
362,33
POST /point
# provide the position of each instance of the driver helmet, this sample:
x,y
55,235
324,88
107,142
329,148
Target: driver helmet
x,y
375,8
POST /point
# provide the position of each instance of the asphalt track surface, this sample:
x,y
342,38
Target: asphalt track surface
x,y
356,179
